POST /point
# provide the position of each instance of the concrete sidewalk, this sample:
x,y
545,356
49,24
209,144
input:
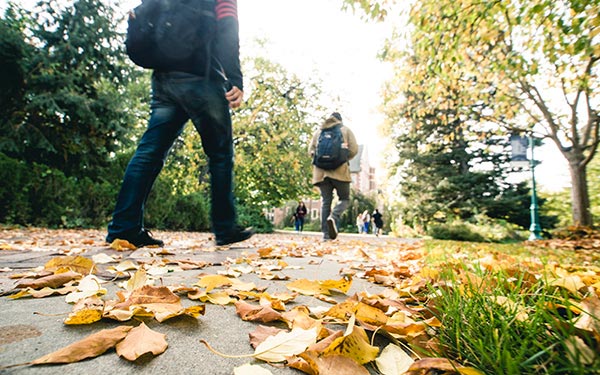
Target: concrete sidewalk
x,y
31,328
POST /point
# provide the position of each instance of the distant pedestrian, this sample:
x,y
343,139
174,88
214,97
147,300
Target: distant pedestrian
x,y
378,221
338,179
299,216
366,221
359,223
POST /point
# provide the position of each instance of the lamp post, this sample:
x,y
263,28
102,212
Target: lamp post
x,y
535,228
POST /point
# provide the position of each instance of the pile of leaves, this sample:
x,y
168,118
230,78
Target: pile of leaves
x,y
395,331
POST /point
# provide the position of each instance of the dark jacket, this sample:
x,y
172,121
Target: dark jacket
x,y
227,43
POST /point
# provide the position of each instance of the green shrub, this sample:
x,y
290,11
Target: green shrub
x,y
454,231
250,216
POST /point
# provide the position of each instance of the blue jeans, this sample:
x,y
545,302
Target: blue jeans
x,y
176,98
342,188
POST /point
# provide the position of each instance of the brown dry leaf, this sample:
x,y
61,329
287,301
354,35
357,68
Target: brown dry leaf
x,y
332,364
86,311
299,317
442,364
89,347
51,281
122,245
77,264
285,344
255,313
141,340
157,301
261,333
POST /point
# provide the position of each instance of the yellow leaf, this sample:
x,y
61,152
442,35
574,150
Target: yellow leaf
x,y
122,245
220,298
370,315
343,284
285,344
78,264
89,347
393,360
86,311
355,345
314,287
138,280
141,340
213,281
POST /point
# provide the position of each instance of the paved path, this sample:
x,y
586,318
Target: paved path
x,y
30,328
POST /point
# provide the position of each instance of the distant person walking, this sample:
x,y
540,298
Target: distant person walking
x,y
338,178
366,221
359,223
299,216
378,221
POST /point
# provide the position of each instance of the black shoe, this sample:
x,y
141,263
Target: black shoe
x,y
238,234
331,228
140,239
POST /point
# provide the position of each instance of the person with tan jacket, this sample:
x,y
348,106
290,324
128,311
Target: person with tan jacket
x,y
337,179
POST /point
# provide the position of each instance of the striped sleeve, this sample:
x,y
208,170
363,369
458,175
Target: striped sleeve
x,y
226,8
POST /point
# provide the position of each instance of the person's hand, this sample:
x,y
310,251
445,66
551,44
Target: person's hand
x,y
235,96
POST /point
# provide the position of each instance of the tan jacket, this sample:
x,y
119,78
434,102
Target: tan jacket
x,y
342,173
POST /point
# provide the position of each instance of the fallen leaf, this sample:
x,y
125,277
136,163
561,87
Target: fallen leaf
x,y
261,333
254,313
213,281
354,345
285,344
393,360
89,347
86,311
333,364
141,340
51,281
103,258
122,245
443,364
87,287
78,264
249,369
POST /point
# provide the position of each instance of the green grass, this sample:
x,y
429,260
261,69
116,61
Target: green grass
x,y
533,333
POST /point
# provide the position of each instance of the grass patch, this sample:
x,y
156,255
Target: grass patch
x,y
515,309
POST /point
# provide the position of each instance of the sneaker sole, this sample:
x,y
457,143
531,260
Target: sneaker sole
x,y
331,229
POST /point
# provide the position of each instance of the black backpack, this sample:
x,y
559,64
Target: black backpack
x,y
330,154
169,35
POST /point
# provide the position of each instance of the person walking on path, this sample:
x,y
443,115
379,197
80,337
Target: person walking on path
x,y
366,221
359,223
299,216
378,221
206,99
338,179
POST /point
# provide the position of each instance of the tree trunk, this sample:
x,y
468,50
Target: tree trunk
x,y
579,195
